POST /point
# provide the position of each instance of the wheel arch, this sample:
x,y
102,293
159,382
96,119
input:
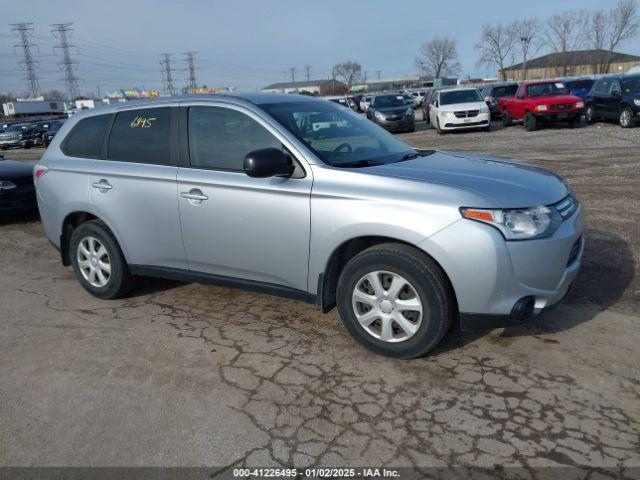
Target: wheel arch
x,y
72,221
326,296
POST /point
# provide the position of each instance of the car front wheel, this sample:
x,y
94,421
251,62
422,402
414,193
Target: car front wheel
x,y
395,301
590,114
530,122
98,261
626,118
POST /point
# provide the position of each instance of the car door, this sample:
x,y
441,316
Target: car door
x,y
518,102
612,101
134,188
255,229
600,95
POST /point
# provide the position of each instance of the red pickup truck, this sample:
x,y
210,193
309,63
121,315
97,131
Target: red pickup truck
x,y
541,101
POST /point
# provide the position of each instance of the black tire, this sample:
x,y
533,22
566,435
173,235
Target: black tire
x,y
626,122
120,281
530,122
590,114
411,130
574,122
438,129
431,286
506,119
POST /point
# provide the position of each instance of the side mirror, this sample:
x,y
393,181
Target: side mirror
x,y
268,162
616,93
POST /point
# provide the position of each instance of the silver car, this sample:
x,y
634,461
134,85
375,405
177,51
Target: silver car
x,y
303,198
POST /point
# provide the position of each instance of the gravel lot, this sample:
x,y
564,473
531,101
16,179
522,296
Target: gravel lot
x,y
188,374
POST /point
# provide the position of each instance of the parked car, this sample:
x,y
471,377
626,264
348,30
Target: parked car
x,y
426,103
364,103
418,98
539,102
357,99
17,192
493,93
404,242
459,109
579,87
392,112
52,129
615,98
13,135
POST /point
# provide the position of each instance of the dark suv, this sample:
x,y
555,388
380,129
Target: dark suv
x,y
493,93
615,98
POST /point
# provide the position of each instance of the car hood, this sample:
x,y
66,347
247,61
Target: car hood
x,y
457,107
10,170
503,183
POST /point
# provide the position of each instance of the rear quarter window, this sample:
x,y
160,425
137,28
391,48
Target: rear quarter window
x,y
87,138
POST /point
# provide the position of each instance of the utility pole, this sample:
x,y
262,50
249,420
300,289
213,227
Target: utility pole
x,y
167,77
63,31
307,71
191,68
23,31
98,90
292,70
526,40
378,72
365,75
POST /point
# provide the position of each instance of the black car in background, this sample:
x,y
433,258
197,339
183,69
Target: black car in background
x,y
615,98
579,87
52,129
392,112
493,93
17,191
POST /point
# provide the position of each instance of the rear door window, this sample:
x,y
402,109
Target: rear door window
x,y
141,136
86,139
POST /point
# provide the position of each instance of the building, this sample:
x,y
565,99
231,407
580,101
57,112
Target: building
x,y
310,87
570,64
26,108
401,83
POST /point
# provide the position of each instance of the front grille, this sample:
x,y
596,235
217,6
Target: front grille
x,y
561,106
467,113
566,206
575,251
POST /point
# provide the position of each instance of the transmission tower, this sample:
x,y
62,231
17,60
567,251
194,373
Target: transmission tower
x,y
23,31
167,78
307,71
63,31
292,70
191,68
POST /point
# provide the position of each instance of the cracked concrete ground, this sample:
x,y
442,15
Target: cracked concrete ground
x,y
195,375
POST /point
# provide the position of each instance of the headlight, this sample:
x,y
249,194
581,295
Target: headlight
x,y
408,111
445,114
518,224
484,108
379,116
541,108
7,185
637,101
579,104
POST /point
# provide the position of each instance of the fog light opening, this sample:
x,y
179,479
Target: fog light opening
x,y
523,308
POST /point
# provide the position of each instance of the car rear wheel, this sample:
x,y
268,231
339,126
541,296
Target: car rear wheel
x,y
395,301
574,122
626,118
590,114
98,261
530,122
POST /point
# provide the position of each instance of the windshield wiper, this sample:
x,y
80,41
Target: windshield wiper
x,y
410,156
358,163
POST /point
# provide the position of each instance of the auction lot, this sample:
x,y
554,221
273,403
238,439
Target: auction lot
x,y
195,375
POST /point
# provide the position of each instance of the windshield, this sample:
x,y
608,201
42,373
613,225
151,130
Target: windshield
x,y
505,91
580,84
460,96
631,85
384,101
551,88
16,128
338,136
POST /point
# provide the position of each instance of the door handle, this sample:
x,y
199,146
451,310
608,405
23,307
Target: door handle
x,y
194,196
102,185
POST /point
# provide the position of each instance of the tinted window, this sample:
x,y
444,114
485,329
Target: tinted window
x,y
603,85
579,84
505,91
141,136
385,101
631,85
221,138
551,88
460,96
87,137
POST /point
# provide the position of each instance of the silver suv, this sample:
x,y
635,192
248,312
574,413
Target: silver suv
x,y
303,198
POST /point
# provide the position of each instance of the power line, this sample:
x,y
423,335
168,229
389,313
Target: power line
x,y
191,68
167,78
63,31
23,31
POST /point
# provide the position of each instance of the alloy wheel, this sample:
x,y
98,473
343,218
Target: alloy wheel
x,y
387,306
625,118
94,262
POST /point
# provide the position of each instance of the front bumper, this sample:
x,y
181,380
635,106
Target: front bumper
x,y
490,275
553,116
404,123
451,122
10,143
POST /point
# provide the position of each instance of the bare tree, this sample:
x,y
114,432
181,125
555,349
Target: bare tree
x,y
55,95
348,72
528,33
496,45
439,57
566,31
609,29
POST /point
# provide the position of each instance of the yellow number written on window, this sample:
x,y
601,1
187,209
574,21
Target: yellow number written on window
x,y
142,122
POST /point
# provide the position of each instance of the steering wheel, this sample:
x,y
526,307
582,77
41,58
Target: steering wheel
x,y
343,146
